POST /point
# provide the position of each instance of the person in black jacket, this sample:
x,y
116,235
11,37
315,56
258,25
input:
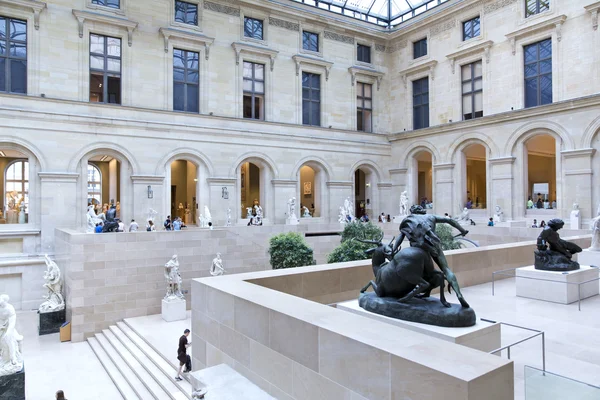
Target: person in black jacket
x,y
182,356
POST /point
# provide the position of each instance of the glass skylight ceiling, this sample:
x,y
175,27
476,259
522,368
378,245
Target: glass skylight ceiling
x,y
386,13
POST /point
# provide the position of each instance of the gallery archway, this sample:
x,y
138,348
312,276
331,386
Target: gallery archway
x,y
183,191
312,190
18,177
422,177
540,171
366,196
104,183
474,172
254,186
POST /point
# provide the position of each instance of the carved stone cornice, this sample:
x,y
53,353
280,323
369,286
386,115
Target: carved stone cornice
x,y
367,72
344,184
479,48
281,23
398,171
549,24
148,179
442,27
593,9
496,5
284,182
338,37
35,6
240,47
66,177
439,167
196,38
415,69
83,16
221,8
501,160
300,59
221,181
578,153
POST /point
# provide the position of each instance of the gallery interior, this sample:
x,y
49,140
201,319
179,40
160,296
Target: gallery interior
x,y
152,154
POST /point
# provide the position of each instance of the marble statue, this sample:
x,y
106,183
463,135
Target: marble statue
x,y
306,212
228,216
404,204
11,359
203,221
93,219
249,212
595,226
292,219
173,280
575,217
498,215
465,217
22,213
259,215
216,268
54,298
554,253
342,215
207,215
404,278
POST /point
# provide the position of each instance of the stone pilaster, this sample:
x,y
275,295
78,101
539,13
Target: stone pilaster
x,y
501,188
443,189
577,182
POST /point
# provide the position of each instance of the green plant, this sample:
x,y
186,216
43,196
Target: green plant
x,y
444,232
289,250
352,250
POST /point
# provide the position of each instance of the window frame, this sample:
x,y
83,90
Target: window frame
x,y
358,53
306,31
422,105
24,180
262,28
8,58
361,98
471,23
538,76
105,72
537,7
94,3
185,81
195,23
473,91
253,94
419,43
99,183
310,100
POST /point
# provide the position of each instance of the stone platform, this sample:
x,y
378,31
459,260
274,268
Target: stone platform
x,y
588,257
12,387
482,336
50,322
173,310
224,383
552,285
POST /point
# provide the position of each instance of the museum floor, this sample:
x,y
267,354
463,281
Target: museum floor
x,y
572,344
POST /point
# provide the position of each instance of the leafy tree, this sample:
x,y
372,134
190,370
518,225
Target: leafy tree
x,y
289,250
444,232
351,249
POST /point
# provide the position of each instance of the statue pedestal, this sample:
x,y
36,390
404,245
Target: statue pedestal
x,y
12,387
292,221
173,310
576,221
589,257
484,336
554,288
50,322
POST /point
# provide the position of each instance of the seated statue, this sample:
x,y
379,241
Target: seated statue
x,y
111,225
465,217
11,359
553,253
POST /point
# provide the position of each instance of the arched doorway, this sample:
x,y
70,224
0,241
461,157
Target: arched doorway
x,y
312,190
474,189
366,196
18,176
540,171
422,178
254,186
183,191
104,183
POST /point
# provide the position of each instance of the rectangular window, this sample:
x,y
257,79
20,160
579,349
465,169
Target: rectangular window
x,y
364,107
472,90
186,13
533,7
420,48
108,3
105,69
538,73
421,103
253,28
254,90
13,55
363,53
186,81
310,41
471,28
311,99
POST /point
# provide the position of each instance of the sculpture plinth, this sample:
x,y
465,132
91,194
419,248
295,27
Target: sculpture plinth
x,y
173,310
426,311
554,253
12,387
50,322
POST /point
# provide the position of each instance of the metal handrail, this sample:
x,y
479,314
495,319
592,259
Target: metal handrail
x,y
508,346
502,272
560,376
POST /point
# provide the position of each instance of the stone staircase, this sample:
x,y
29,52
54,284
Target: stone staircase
x,y
138,370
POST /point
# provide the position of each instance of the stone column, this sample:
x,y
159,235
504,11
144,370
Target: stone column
x,y
221,194
338,192
112,180
443,189
141,202
399,178
577,183
501,187
58,201
284,189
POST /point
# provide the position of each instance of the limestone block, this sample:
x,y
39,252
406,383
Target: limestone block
x,y
552,286
173,310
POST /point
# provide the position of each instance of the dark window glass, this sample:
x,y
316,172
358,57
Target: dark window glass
x,y
186,81
105,69
538,73
311,99
363,53
310,41
186,13
471,28
421,103
253,28
108,3
13,55
420,48
472,90
254,90
364,107
533,7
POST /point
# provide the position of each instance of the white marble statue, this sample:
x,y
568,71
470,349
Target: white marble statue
x,y
152,214
11,359
306,212
216,268
595,226
173,280
404,204
249,212
292,219
93,219
54,298
203,221
228,216
465,217
22,213
498,215
342,215
207,215
259,215
576,217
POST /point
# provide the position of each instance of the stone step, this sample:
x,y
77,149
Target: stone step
x,y
160,377
132,379
154,389
113,372
157,358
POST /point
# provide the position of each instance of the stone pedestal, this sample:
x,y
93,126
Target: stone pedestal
x,y
589,257
575,221
50,322
173,310
292,220
484,336
554,288
12,387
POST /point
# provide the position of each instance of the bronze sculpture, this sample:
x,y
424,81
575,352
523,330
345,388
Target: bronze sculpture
x,y
554,253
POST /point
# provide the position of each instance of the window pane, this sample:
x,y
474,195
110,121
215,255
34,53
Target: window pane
x,y
179,74
18,30
545,66
478,101
316,81
467,87
306,112
192,76
546,89
179,97
18,76
478,69
178,58
192,98
114,90
248,70
315,95
258,107
530,53
367,121
531,92
466,72
467,104
113,47
253,28
113,65
96,91
310,41
305,79
97,44
2,74
192,60
247,85
367,92
545,49
3,47
18,50
247,106
478,84
531,70
315,114
2,28
96,62
259,71
359,120
259,87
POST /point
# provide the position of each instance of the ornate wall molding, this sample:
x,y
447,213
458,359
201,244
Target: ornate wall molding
x,y
496,5
339,38
380,48
220,8
280,23
399,45
443,27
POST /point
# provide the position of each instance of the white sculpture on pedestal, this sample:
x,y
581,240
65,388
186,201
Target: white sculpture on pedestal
x,y
207,215
465,217
292,219
228,216
151,214
173,280
498,214
11,359
216,268
22,213
575,217
93,219
54,299
595,225
404,204
306,212
342,215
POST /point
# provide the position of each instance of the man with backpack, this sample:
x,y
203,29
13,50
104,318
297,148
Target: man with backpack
x,y
168,225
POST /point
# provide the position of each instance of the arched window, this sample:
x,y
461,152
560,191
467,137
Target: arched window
x,y
94,185
16,178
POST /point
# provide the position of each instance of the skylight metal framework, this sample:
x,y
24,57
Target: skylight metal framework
x,y
385,13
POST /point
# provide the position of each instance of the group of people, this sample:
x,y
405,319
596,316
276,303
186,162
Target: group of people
x,y
469,204
384,219
541,225
171,225
540,204
133,226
